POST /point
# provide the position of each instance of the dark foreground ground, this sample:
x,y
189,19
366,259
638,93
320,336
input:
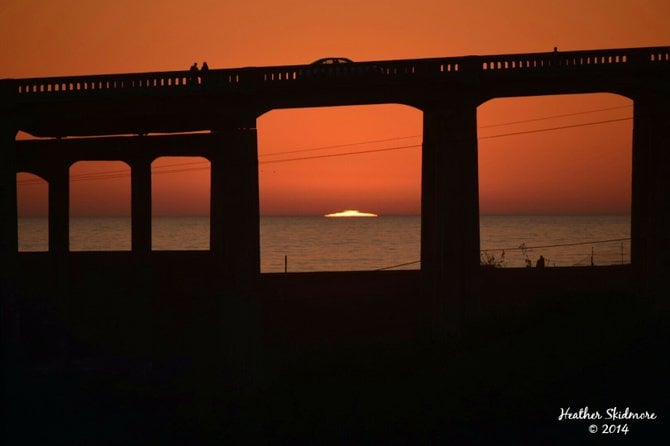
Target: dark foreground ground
x,y
504,382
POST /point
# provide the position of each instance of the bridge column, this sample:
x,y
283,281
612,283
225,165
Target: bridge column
x,y
140,169
59,208
8,225
450,214
235,239
217,211
234,204
650,219
144,302
9,308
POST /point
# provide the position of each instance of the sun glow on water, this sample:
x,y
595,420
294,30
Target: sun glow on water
x,y
351,213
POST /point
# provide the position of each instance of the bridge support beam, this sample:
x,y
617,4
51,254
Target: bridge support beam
x,y
8,224
650,219
234,211
218,190
450,215
235,239
141,205
59,209
9,307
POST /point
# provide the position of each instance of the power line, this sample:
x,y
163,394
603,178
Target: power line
x,y
544,118
119,174
332,155
115,174
419,145
341,145
555,128
398,266
521,248
419,135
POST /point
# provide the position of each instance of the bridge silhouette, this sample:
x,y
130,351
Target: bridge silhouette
x,y
160,307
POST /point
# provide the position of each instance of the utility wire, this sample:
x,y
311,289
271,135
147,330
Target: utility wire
x,y
111,174
341,145
419,145
544,118
398,266
555,128
332,155
521,248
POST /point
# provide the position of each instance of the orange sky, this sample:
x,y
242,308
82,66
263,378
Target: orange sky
x,y
585,169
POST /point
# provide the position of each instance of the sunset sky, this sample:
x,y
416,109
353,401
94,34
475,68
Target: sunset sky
x,y
578,170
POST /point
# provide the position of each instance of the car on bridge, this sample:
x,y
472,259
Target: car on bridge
x,y
339,67
332,61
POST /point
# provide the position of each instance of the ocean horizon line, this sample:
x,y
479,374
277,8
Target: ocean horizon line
x,y
545,214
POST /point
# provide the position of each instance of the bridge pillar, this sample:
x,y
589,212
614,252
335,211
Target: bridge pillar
x,y
450,214
9,307
217,211
234,211
59,208
235,239
8,225
650,219
140,169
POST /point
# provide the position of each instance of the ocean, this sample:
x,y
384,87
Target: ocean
x,y
340,244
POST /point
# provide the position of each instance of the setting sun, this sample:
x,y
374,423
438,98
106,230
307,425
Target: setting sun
x,y
351,213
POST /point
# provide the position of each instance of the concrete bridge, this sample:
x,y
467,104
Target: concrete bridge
x,y
161,304
227,102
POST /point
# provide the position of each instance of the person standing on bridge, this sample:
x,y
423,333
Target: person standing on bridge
x,y
193,73
203,72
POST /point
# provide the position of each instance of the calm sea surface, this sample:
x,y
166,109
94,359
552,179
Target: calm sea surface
x,y
328,244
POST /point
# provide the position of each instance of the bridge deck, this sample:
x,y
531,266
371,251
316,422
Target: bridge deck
x,y
178,101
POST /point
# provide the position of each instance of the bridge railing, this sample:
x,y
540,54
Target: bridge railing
x,y
540,61
438,68
582,59
422,68
116,82
658,55
280,74
359,70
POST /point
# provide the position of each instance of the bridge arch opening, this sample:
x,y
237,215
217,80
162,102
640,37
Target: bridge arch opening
x,y
100,206
33,212
319,161
180,203
555,180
